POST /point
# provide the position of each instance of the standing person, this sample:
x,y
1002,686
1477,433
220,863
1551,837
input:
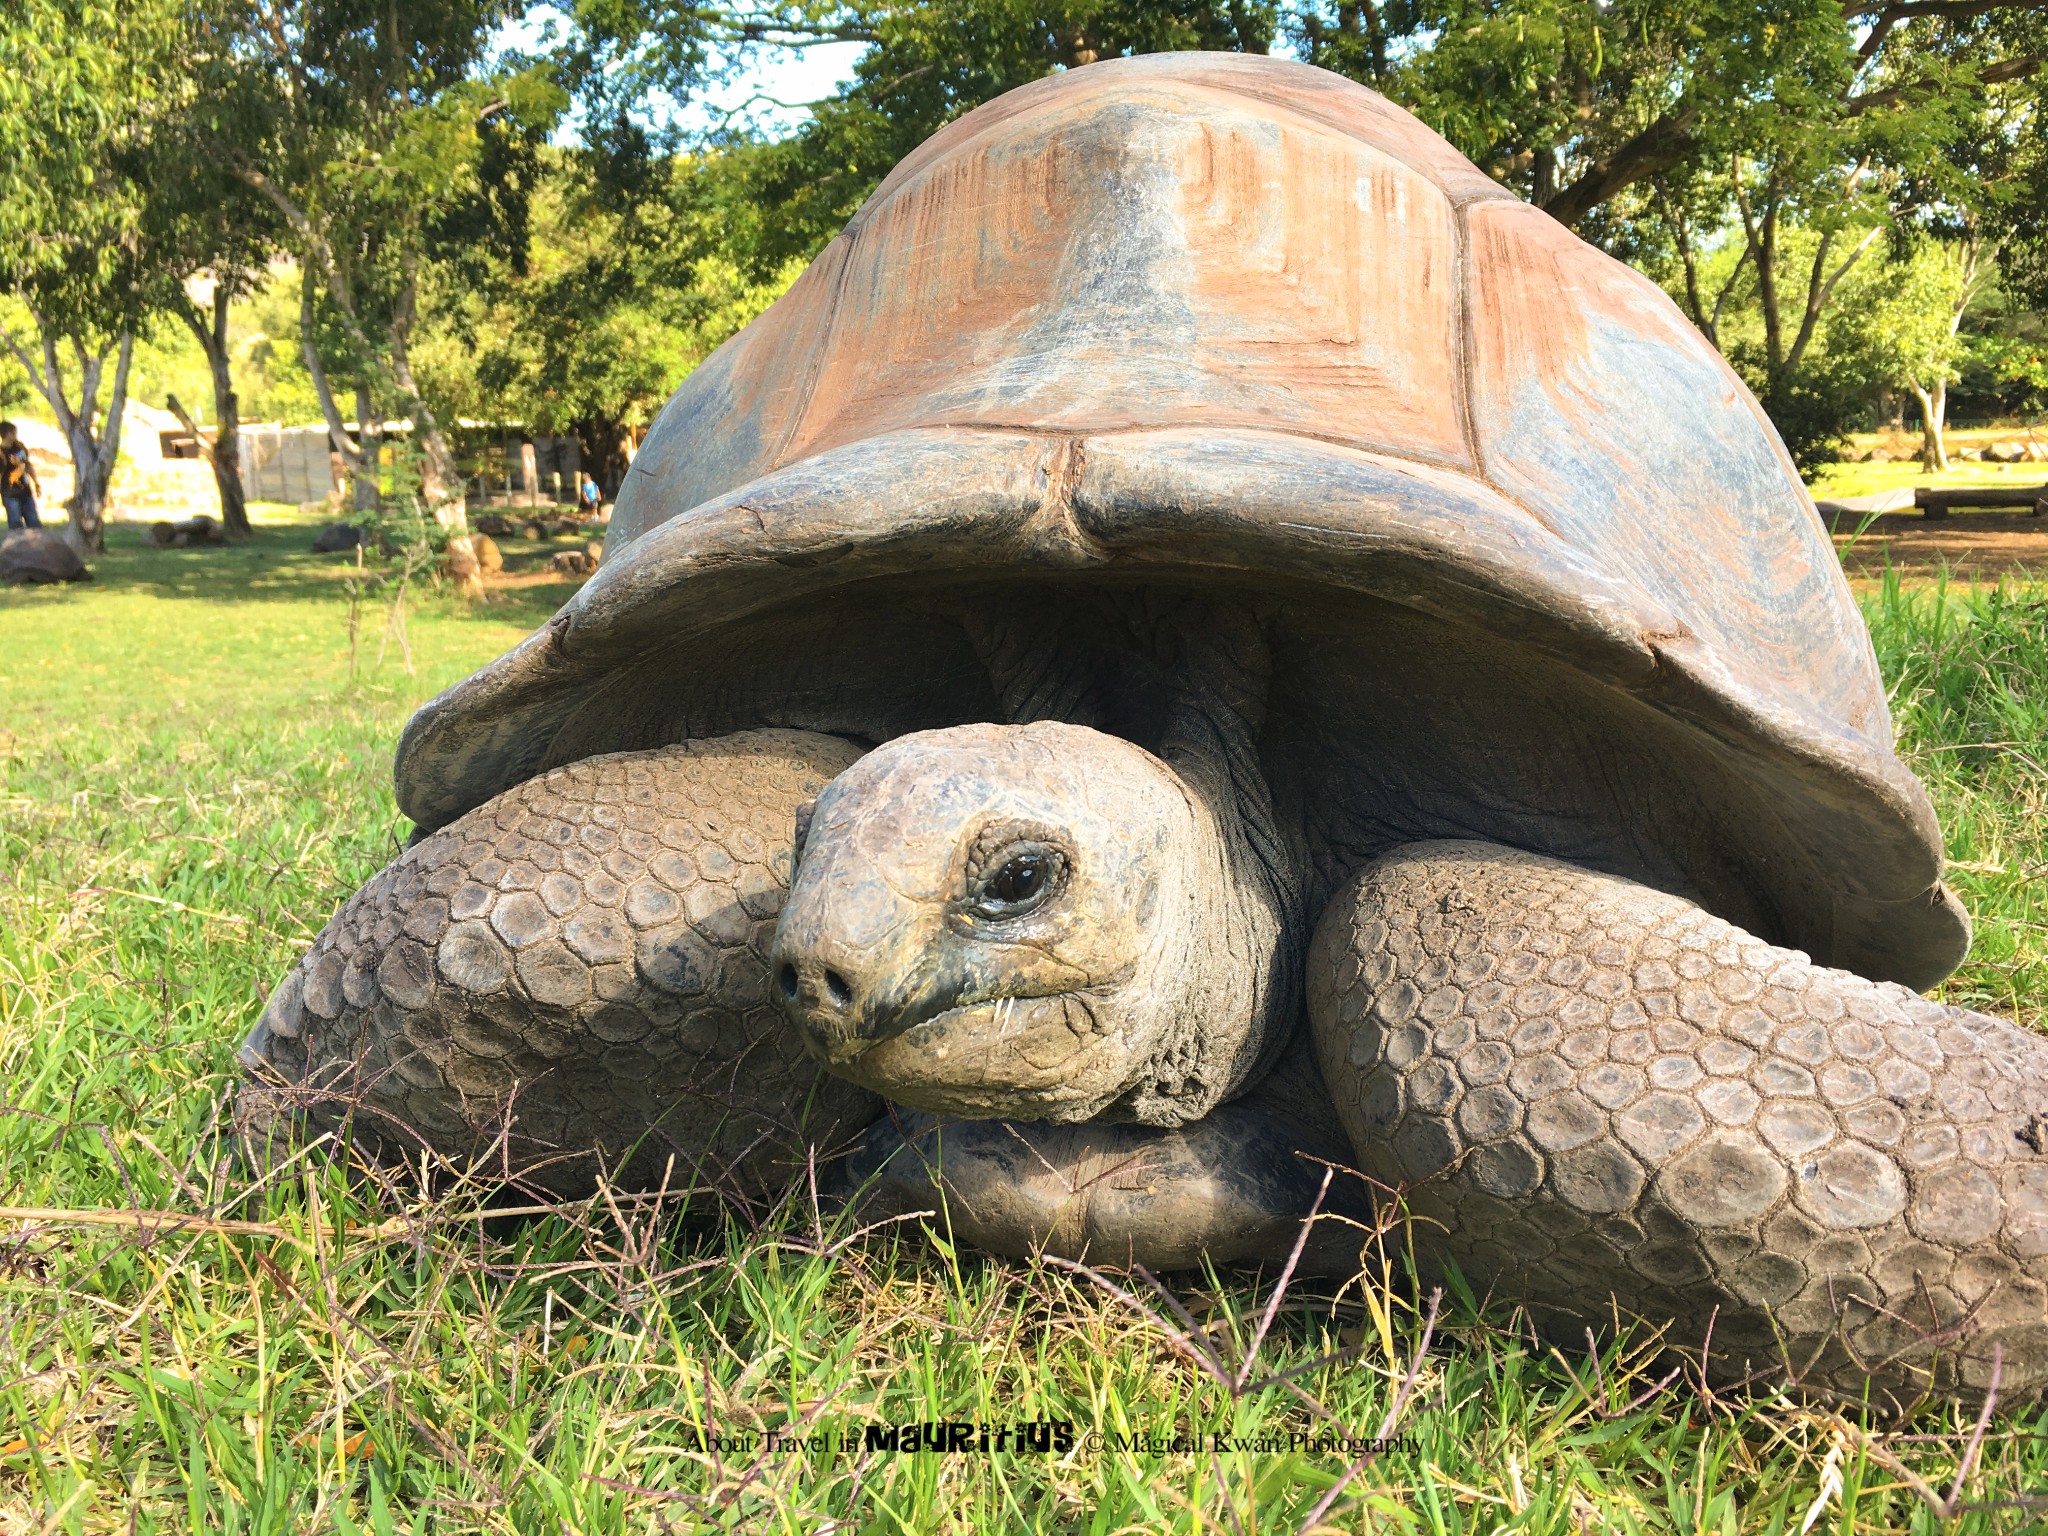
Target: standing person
x,y
19,486
591,496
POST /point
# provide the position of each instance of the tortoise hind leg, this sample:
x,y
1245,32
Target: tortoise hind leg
x,y
570,980
1599,1090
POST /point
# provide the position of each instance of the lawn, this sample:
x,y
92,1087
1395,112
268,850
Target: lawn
x,y
1849,478
191,780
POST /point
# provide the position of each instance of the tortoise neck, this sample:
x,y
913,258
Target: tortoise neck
x,y
1203,669
1217,671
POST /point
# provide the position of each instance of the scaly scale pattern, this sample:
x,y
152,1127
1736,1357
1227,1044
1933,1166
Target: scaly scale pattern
x,y
1591,1090
573,977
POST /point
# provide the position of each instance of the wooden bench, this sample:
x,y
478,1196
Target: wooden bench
x,y
1939,503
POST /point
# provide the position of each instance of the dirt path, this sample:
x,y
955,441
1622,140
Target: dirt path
x,y
1973,546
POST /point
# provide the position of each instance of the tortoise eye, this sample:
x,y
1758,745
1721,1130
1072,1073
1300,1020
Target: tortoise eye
x,y
1021,879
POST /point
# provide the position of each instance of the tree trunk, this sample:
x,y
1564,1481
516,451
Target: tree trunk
x,y
1767,287
224,454
93,453
1076,46
370,452
345,448
440,480
1933,426
1681,236
605,459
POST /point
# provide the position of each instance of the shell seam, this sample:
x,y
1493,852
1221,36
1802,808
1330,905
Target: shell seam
x,y
815,365
1466,373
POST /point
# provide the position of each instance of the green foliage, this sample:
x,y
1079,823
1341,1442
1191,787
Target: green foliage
x,y
617,299
383,140
1778,141
1545,93
1898,320
77,82
925,64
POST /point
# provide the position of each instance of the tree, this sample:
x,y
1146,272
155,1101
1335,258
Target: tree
x,y
367,129
926,63
1573,104
1906,129
620,293
78,81
1811,112
216,239
1905,327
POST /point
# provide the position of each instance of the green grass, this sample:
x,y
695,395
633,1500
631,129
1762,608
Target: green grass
x,y
190,782
1841,480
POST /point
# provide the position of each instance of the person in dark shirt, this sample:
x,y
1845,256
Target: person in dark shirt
x,y
19,486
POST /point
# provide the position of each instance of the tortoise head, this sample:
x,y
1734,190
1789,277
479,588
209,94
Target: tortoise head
x,y
1024,921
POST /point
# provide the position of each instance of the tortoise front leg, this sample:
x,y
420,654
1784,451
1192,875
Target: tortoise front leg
x,y
1594,1090
1232,1188
571,979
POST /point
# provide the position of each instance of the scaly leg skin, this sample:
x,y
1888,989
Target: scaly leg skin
x,y
1592,1090
571,981
1233,1187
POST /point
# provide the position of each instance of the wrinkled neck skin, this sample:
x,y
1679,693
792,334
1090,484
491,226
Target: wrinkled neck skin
x,y
1238,998
1231,990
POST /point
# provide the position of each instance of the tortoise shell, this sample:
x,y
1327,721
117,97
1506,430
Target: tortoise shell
x,y
1535,565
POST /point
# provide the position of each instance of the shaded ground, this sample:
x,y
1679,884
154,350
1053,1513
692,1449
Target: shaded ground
x,y
1970,546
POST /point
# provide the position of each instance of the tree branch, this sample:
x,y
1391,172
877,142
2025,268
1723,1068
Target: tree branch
x,y
1819,290
294,215
1681,234
1728,288
185,420
1879,31
27,363
209,334
89,370
350,451
1657,148
1907,10
117,404
1991,74
67,419
318,249
781,31
1667,141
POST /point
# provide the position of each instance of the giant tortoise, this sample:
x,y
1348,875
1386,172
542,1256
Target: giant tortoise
x,y
1201,639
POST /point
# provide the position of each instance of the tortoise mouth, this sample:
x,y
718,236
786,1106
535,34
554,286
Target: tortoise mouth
x,y
1036,1057
923,1022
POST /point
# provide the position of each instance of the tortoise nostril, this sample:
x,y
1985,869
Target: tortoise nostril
x,y
836,987
786,979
